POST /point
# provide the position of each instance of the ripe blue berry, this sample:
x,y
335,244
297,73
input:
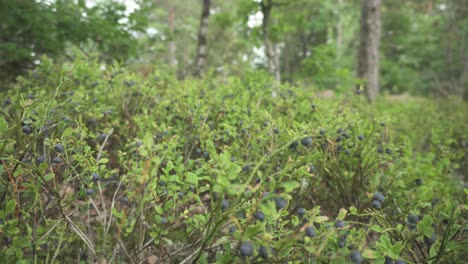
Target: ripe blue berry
x,y
224,204
246,249
95,176
27,129
280,203
430,240
376,204
310,231
294,145
259,215
378,197
263,252
301,212
413,219
306,142
356,257
59,148
419,182
340,224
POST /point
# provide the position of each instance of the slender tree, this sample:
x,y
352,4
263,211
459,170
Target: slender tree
x,y
202,49
171,44
368,55
271,49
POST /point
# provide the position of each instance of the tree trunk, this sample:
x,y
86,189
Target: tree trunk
x,y
271,50
202,49
368,55
171,44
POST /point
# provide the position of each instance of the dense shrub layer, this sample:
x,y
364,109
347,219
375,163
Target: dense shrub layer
x,y
103,165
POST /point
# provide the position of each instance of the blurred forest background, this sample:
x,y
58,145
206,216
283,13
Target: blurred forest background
x,y
312,43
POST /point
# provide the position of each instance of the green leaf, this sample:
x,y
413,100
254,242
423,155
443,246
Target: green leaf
x,y
342,214
425,226
289,186
3,126
191,178
376,228
370,254
103,161
396,250
10,206
49,176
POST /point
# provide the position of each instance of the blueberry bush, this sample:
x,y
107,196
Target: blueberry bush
x,y
107,166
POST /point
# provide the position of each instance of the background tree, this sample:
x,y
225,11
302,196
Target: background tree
x,y
32,28
202,48
368,55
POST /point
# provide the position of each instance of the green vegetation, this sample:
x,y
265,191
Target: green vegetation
x,y
106,165
240,131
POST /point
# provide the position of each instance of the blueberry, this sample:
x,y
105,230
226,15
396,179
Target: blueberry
x,y
7,101
419,182
411,226
347,152
164,220
388,260
388,151
102,137
376,204
181,194
430,240
413,219
356,257
342,242
301,212
378,197
340,224
162,183
263,252
382,124
27,129
361,137
280,203
310,231
322,131
276,130
56,160
232,229
294,145
95,176
339,130
40,159
59,148
313,106
346,135
125,200
89,191
224,204
400,262
259,215
247,167
380,149
339,139
246,249
311,168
